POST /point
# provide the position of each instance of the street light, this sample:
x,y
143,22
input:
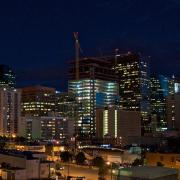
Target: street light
x,y
110,164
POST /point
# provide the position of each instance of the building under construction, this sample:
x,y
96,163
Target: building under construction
x,y
99,82
95,87
104,81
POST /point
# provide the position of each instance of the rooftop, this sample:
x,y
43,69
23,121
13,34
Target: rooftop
x,y
22,154
148,172
12,168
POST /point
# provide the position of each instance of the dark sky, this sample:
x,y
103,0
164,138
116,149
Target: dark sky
x,y
36,35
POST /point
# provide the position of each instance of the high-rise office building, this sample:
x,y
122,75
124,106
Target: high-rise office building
x,y
38,100
65,105
95,87
171,83
10,111
7,77
133,73
158,93
172,111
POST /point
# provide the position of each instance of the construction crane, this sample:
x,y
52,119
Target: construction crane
x,y
77,50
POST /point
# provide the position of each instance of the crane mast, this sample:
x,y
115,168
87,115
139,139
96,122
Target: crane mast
x,y
77,48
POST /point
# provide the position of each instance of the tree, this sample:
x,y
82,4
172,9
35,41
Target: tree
x,y
80,158
160,164
98,161
3,140
58,166
66,156
138,162
20,139
2,144
102,172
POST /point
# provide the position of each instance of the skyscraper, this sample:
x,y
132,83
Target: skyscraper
x,y
10,111
96,87
7,77
158,93
133,75
172,111
172,103
65,105
38,100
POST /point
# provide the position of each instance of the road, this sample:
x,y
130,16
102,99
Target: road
x,y
89,173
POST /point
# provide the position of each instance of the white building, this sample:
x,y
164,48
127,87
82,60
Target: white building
x,y
26,164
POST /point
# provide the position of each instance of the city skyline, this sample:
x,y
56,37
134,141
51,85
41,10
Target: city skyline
x,y
90,89
37,41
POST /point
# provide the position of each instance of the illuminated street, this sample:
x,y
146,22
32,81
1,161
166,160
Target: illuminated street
x,y
90,174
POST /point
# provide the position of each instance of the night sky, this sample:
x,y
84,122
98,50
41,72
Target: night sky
x,y
36,35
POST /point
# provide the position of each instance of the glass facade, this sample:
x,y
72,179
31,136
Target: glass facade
x,y
91,94
133,74
158,87
65,104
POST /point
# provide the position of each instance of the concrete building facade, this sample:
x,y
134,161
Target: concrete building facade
x,y
118,124
10,111
48,128
172,111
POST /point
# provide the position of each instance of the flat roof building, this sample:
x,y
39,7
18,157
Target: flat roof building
x,y
148,172
48,128
121,125
35,168
132,70
10,111
37,100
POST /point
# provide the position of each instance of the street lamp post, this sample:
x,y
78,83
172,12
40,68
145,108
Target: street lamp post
x,y
111,172
68,168
110,164
49,168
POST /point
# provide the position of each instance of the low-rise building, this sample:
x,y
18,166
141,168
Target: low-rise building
x,y
148,172
13,173
171,160
35,166
112,155
33,148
